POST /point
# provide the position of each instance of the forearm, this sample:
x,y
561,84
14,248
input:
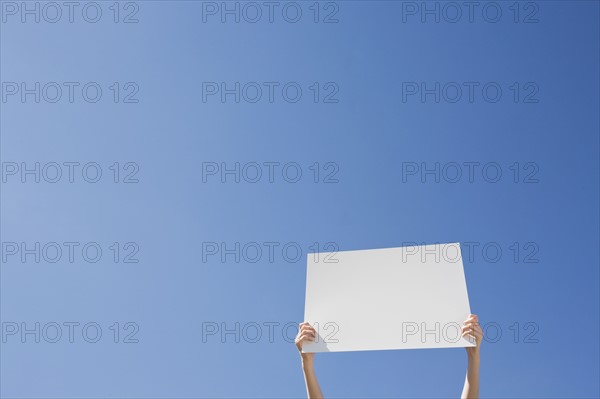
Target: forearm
x,y
310,377
471,388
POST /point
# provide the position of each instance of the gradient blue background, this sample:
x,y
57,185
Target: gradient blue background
x,y
170,293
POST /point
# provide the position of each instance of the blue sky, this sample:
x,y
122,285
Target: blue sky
x,y
378,135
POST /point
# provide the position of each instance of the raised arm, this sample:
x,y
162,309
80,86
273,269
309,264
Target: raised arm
x,y
472,330
307,333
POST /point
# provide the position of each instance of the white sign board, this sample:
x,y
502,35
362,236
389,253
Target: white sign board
x,y
394,298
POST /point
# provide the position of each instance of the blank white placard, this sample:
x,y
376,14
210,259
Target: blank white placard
x,y
393,298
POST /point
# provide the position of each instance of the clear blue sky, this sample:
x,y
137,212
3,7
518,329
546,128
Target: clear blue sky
x,y
372,136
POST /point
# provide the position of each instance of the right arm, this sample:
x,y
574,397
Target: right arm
x,y
473,330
